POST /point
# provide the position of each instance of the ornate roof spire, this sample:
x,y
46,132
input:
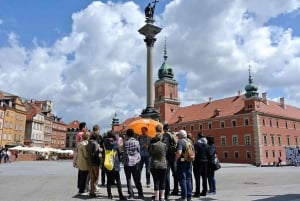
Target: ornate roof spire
x,y
165,71
165,51
251,89
115,120
250,78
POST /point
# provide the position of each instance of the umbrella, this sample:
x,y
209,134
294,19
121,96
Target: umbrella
x,y
150,124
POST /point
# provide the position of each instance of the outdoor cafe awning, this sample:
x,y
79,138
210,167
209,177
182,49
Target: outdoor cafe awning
x,y
41,150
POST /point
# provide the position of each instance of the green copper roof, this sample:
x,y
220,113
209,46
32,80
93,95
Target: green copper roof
x,y
115,119
165,71
251,88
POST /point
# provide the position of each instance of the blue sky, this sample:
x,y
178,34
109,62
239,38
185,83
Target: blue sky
x,y
45,20
89,59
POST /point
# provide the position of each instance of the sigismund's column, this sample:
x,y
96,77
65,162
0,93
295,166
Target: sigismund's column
x,y
149,31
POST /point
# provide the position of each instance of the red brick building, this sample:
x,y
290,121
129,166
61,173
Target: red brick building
x,y
247,128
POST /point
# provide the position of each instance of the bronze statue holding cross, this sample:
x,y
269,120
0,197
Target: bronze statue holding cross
x,y
149,10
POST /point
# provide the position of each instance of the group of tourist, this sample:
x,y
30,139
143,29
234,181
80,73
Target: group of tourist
x,y
160,157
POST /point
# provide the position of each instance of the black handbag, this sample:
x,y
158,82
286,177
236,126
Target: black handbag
x,y
216,163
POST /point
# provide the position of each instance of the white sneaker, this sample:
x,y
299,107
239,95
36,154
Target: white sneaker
x,y
97,188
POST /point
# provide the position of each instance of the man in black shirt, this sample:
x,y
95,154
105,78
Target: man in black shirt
x,y
200,165
170,140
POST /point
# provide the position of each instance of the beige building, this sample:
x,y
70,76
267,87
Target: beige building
x,y
13,112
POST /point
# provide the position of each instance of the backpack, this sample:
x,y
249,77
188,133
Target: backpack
x,y
109,159
189,153
172,145
94,151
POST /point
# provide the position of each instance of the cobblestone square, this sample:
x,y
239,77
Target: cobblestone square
x,y
56,181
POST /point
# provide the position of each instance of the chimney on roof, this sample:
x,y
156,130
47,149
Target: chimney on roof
x,y
210,99
282,104
264,98
239,92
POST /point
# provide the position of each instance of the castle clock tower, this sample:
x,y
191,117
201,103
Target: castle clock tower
x,y
166,91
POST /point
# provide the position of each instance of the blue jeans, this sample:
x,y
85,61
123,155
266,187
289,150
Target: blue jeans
x,y
185,178
145,160
211,181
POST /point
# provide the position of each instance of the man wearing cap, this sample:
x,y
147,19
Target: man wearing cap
x,y
184,168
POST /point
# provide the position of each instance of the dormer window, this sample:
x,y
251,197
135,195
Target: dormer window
x,y
217,112
180,117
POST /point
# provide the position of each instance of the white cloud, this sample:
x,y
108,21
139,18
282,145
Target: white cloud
x,y
99,68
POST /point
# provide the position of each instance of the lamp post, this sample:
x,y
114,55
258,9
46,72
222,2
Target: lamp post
x,y
149,30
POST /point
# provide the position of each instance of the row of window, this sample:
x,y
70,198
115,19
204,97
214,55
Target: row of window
x,y
7,136
9,124
57,142
37,136
233,123
38,126
273,154
39,118
236,154
12,114
222,124
286,123
59,127
235,140
278,138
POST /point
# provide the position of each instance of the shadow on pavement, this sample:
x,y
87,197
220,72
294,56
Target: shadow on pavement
x,y
104,197
287,197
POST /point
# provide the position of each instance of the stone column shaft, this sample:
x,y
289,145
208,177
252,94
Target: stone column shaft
x,y
150,87
149,31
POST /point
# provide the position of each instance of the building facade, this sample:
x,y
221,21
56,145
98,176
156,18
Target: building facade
x,y
47,130
2,112
13,113
59,133
247,127
34,132
72,130
29,122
